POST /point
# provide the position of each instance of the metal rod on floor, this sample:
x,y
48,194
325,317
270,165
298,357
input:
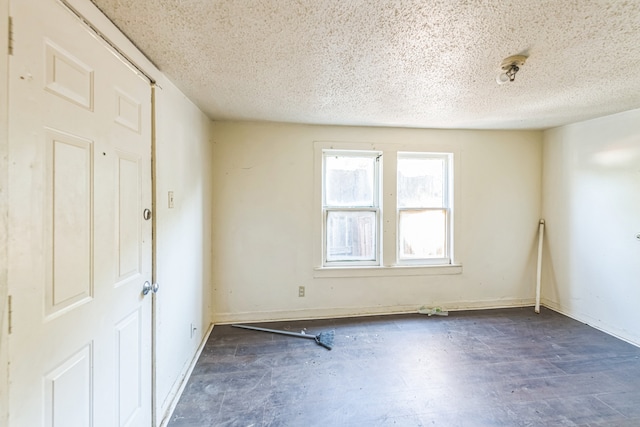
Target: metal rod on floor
x,y
539,269
325,339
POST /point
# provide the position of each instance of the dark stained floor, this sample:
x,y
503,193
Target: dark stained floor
x,y
506,367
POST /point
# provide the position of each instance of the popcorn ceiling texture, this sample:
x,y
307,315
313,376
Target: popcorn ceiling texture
x,y
408,63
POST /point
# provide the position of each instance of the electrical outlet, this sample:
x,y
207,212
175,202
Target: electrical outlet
x,y
300,291
171,203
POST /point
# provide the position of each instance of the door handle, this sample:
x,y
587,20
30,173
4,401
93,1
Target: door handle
x,y
148,287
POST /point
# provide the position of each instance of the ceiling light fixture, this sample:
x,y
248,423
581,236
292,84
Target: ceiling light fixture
x,y
509,67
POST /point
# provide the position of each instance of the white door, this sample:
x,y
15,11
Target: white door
x,y
79,248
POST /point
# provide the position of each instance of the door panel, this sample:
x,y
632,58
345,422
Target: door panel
x,y
129,368
68,391
129,214
79,247
68,237
67,77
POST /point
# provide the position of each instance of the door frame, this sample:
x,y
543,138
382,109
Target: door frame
x,y
4,211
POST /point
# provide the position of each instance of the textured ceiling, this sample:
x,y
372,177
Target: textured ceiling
x,y
427,64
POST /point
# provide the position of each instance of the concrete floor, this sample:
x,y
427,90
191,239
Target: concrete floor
x,y
506,367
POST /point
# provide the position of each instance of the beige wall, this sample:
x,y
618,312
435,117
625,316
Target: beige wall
x,y
265,222
592,211
183,238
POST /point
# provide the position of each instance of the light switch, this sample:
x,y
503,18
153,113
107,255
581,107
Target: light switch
x,y
170,199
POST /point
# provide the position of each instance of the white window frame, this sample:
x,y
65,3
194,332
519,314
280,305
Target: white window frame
x,y
447,207
376,207
389,265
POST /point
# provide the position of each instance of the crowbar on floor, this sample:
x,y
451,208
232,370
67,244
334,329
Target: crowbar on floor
x,y
325,339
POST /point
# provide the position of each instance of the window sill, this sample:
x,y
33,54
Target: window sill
x,y
391,271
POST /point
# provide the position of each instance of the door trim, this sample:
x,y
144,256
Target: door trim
x,y
102,36
154,269
4,212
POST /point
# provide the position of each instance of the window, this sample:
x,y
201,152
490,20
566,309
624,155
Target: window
x,y
385,208
423,208
351,208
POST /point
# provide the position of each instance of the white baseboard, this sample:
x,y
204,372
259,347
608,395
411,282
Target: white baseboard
x,y
591,321
337,312
178,388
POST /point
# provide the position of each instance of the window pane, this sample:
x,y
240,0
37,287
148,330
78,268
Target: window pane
x,y
421,182
422,234
351,236
349,180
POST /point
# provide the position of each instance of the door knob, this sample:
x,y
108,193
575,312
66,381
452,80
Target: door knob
x,y
146,288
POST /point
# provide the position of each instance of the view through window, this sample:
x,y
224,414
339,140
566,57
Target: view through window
x,y
352,197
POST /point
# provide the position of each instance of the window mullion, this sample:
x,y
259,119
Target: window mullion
x,y
389,229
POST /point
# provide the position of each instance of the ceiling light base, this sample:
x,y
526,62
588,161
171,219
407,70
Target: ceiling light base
x,y
509,67
517,60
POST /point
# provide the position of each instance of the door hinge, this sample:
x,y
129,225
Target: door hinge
x,y
9,314
10,36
